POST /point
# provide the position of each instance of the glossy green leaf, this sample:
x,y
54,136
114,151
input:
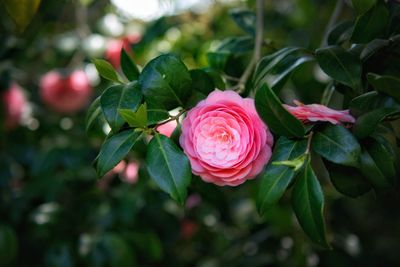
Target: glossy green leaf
x,y
362,6
367,123
383,159
348,180
373,47
106,70
340,33
8,244
169,167
370,25
119,97
216,77
245,19
275,179
136,118
389,85
165,82
218,60
21,11
308,205
337,144
370,101
372,171
129,67
341,65
93,113
278,119
202,81
156,115
115,149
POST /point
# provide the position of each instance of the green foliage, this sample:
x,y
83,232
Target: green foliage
x,y
22,12
136,118
8,244
165,82
106,70
119,97
128,66
308,205
168,167
278,119
114,149
337,144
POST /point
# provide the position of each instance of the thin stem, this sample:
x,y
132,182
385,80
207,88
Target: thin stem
x,y
327,95
172,118
241,85
309,139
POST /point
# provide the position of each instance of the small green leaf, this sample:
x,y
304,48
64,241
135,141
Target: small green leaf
x,y
370,25
21,11
136,118
278,119
115,149
169,167
129,67
308,205
362,6
119,97
165,82
341,65
389,85
367,123
106,70
348,180
275,179
335,143
93,113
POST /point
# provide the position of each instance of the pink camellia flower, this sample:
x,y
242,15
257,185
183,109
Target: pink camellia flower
x,y
167,128
65,94
113,51
14,102
226,141
316,112
131,172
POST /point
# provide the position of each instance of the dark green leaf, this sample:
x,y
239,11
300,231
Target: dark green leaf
x,y
370,101
136,118
93,114
202,81
119,97
372,171
340,33
348,180
385,84
383,159
165,82
218,60
341,65
362,6
155,115
128,66
372,48
245,19
106,70
367,123
115,149
21,11
168,167
278,119
308,205
370,25
275,179
335,143
218,82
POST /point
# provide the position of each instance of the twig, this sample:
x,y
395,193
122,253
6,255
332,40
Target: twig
x,y
309,138
241,85
176,117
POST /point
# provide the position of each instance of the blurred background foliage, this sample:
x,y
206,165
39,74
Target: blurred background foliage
x,y
54,211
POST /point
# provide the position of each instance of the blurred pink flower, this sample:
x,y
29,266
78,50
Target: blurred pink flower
x,y
317,112
65,94
14,103
167,128
226,141
131,172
